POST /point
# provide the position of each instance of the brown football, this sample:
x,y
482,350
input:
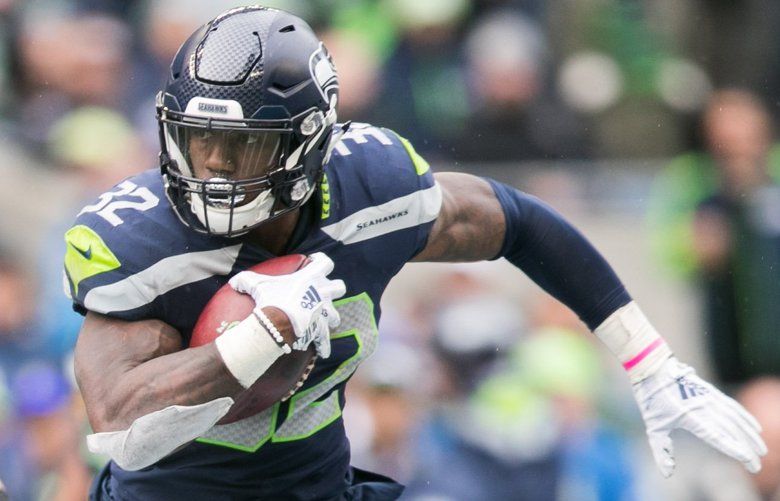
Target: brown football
x,y
287,374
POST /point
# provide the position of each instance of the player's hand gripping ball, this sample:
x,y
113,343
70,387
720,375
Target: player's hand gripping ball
x,y
288,372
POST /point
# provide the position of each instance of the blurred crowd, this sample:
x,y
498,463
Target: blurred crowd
x,y
471,395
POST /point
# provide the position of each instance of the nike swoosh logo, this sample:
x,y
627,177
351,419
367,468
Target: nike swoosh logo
x,y
86,253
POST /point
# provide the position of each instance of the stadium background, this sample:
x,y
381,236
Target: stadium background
x,y
585,103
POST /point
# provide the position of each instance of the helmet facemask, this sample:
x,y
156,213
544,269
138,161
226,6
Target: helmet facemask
x,y
226,177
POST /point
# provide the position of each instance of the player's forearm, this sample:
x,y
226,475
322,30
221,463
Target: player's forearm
x,y
189,377
558,258
128,369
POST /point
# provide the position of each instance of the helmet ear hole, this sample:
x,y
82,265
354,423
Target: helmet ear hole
x,y
287,29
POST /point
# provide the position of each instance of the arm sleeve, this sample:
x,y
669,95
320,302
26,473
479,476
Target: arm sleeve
x,y
557,257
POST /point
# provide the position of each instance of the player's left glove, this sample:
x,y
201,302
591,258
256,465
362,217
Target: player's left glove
x,y
675,397
671,396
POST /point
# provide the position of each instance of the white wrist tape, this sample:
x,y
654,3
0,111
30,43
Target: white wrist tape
x,y
634,341
155,435
248,350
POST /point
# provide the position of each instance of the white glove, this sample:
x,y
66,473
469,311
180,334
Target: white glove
x,y
305,296
675,397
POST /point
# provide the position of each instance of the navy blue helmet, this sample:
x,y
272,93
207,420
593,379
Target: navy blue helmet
x,y
246,120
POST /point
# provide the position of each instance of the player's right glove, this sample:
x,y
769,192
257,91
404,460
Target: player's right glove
x,y
306,297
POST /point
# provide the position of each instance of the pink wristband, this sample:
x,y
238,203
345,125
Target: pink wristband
x,y
642,354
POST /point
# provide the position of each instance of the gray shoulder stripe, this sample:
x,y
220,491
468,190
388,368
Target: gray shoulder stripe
x,y
167,274
404,212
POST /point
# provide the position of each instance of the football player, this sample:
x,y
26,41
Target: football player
x,y
253,165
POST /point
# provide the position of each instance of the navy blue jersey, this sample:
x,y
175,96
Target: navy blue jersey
x,y
130,257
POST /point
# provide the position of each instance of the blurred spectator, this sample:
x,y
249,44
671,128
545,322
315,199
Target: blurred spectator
x,y
42,399
489,437
423,93
536,9
16,470
735,130
99,147
472,335
7,34
517,411
716,214
38,436
739,44
123,9
513,116
385,407
457,283
358,67
371,21
761,397
70,61
17,343
564,366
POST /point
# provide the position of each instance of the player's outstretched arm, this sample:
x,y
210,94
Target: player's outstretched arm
x,y
483,219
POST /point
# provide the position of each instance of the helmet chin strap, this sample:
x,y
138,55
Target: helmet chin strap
x,y
335,138
330,120
292,160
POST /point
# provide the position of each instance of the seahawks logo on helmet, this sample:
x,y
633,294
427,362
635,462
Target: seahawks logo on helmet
x,y
323,71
